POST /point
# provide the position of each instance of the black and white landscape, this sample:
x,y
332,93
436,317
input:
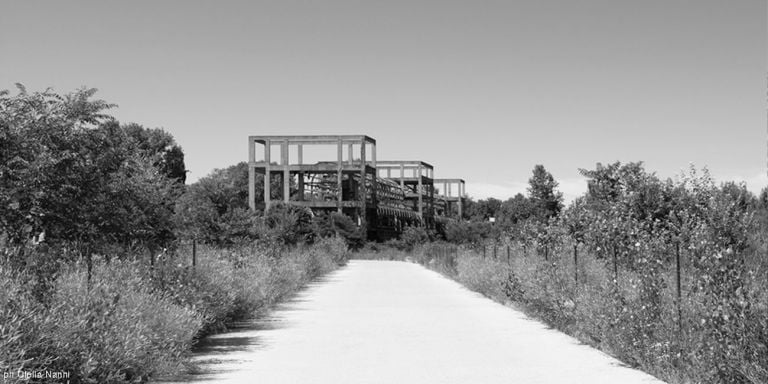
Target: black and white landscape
x,y
416,191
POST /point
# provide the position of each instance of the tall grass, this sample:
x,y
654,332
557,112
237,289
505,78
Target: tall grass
x,y
688,345
130,321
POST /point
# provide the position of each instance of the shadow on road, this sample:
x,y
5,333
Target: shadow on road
x,y
225,351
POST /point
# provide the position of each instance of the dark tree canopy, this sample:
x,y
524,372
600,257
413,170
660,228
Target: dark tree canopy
x,y
542,191
72,173
516,210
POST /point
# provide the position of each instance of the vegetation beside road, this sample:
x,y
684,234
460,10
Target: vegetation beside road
x,y
97,230
667,275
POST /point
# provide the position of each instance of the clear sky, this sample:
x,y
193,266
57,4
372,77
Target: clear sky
x,y
483,90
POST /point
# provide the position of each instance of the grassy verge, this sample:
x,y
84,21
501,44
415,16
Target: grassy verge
x,y
617,315
131,322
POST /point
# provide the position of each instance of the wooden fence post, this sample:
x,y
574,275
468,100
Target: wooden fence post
x,y
679,291
194,253
576,262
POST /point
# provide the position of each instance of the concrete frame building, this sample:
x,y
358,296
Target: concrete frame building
x,y
381,196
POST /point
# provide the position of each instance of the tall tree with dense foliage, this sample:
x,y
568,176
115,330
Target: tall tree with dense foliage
x,y
542,190
42,166
73,175
215,208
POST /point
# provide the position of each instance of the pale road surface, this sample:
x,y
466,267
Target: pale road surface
x,y
397,322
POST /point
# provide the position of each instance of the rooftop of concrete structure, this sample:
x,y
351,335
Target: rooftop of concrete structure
x,y
313,139
405,163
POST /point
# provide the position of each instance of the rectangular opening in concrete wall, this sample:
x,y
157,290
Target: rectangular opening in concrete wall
x,y
390,171
353,153
293,154
276,154
258,153
317,153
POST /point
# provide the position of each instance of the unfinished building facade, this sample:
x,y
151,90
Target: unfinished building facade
x,y
449,200
381,196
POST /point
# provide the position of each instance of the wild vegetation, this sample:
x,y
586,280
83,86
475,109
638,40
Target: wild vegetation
x,y
667,275
97,230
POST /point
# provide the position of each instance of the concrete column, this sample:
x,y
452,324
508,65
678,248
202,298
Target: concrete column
x,y
338,174
374,193
301,154
267,163
301,187
461,195
252,174
420,192
373,154
350,154
363,176
286,172
402,176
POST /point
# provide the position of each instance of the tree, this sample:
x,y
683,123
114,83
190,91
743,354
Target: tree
x,y
469,232
543,193
482,209
515,210
141,205
44,170
75,175
291,224
215,208
166,154
333,224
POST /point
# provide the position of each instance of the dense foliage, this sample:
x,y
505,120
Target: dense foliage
x,y
668,275
84,199
73,176
129,322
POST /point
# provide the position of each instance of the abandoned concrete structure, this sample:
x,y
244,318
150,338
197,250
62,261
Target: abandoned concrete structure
x,y
382,196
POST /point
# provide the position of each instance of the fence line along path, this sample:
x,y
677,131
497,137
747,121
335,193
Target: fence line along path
x,y
397,322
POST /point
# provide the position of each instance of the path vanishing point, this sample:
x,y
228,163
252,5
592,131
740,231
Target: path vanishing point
x,y
397,322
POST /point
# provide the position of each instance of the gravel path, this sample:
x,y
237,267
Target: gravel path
x,y
396,322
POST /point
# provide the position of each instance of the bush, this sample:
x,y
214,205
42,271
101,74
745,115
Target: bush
x,y
24,325
481,275
618,316
413,236
290,224
208,289
467,232
132,321
336,224
113,329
